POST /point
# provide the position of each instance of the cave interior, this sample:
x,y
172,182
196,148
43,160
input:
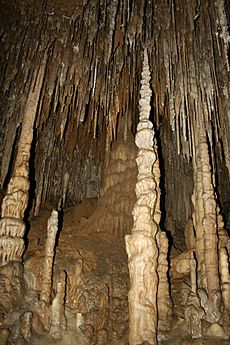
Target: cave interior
x,y
114,172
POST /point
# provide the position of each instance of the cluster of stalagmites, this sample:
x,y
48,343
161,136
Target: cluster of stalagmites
x,y
207,258
210,244
44,313
150,307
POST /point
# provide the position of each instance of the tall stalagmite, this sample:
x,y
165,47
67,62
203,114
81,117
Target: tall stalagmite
x,y
15,202
141,245
205,221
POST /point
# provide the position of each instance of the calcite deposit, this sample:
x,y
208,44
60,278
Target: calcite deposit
x,y
148,274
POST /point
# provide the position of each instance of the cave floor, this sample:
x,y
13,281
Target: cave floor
x,y
106,281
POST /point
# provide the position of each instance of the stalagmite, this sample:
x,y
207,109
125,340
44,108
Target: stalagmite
x,y
26,325
193,310
164,303
212,313
205,220
15,202
157,174
58,319
193,315
4,335
209,221
223,237
74,280
52,228
192,264
225,278
141,245
198,215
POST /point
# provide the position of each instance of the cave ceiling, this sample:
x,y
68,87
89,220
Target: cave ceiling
x,y
91,54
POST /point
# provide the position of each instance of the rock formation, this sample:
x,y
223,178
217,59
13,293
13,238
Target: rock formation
x,y
58,318
75,96
164,302
15,202
194,313
52,228
205,220
141,245
225,278
117,197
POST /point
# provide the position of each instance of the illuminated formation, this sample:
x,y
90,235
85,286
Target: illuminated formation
x,y
141,245
114,172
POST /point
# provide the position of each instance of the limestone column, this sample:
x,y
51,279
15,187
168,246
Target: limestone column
x,y
12,227
141,245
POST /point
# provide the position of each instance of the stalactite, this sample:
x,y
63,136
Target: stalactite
x,y
223,29
61,203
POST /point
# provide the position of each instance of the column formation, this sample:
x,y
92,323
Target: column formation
x,y
15,202
141,245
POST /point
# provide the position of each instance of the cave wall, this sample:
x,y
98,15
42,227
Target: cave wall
x,y
92,53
